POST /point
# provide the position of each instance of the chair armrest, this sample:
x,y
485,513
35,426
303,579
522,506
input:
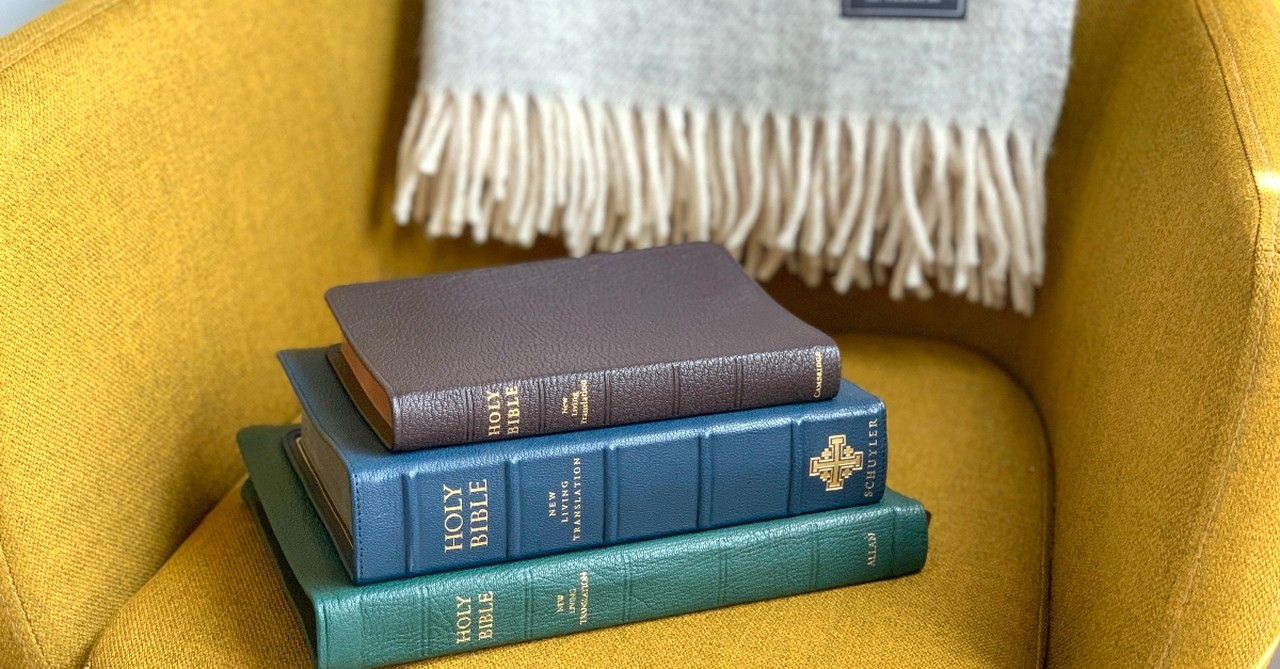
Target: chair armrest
x,y
179,183
1154,356
1154,351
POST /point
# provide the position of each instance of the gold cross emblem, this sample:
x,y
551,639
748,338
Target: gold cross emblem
x,y
837,462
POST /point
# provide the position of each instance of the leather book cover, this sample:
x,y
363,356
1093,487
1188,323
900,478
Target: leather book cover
x,y
363,626
571,344
400,514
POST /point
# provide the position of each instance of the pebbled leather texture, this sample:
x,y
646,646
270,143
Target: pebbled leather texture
x,y
361,626
397,514
646,335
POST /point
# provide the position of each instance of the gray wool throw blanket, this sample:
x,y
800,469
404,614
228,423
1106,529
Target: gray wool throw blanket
x,y
905,152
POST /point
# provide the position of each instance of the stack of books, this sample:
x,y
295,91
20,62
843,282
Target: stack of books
x,y
525,451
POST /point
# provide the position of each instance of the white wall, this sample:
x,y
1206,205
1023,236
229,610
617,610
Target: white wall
x,y
16,13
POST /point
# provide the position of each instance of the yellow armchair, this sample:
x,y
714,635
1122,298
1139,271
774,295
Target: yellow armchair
x,y
180,181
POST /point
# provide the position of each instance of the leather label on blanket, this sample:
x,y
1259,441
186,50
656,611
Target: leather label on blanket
x,y
918,9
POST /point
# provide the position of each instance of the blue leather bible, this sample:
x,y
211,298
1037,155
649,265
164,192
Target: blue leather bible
x,y
392,515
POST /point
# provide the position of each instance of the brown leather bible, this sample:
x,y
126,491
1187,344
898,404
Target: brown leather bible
x,y
571,344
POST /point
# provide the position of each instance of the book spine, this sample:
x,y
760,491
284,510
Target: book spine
x,y
412,619
622,396
625,484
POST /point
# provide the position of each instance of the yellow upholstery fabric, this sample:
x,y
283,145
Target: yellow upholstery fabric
x,y
180,181
980,601
1154,359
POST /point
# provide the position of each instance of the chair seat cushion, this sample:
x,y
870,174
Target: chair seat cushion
x,y
963,438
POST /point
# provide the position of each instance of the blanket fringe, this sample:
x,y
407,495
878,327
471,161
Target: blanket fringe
x,y
915,205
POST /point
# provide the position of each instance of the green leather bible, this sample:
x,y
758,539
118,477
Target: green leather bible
x,y
360,626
